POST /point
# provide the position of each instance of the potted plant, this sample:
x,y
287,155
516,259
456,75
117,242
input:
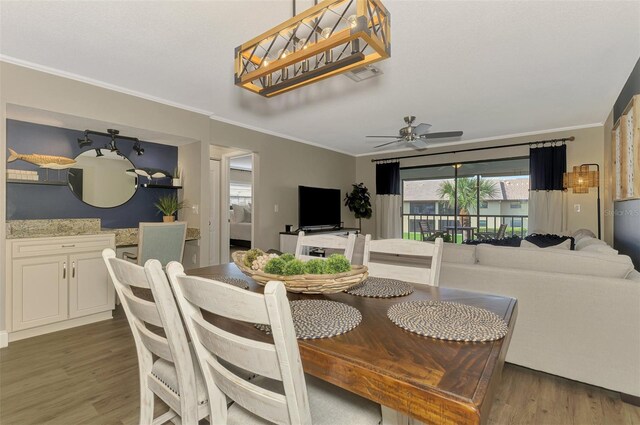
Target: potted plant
x,y
169,205
359,202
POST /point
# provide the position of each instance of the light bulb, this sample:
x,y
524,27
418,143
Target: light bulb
x,y
325,33
265,62
283,53
301,44
353,21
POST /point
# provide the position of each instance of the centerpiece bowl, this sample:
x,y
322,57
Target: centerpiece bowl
x,y
306,283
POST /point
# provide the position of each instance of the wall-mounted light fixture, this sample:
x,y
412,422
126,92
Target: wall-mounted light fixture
x,y
113,134
581,179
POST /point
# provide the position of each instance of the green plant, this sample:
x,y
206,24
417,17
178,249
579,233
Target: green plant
x,y
316,266
275,266
359,202
251,255
287,257
467,193
293,267
337,263
169,204
446,237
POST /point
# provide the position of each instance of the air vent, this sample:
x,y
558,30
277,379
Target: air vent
x,y
363,73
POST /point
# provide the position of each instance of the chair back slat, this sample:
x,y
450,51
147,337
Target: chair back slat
x,y
254,356
154,342
231,302
161,312
399,267
161,241
325,241
195,295
142,309
265,403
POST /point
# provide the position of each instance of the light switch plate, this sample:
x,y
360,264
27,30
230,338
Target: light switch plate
x,y
576,207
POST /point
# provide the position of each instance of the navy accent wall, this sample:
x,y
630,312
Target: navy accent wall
x,y
30,201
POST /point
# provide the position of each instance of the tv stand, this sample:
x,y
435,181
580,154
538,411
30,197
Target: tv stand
x,y
289,240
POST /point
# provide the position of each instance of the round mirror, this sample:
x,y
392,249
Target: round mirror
x,y
99,178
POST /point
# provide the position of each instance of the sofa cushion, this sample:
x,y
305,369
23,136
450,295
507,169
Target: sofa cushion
x,y
587,241
547,240
460,254
582,233
602,249
634,276
555,261
562,245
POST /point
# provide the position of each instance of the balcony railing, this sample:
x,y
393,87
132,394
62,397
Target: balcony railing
x,y
516,224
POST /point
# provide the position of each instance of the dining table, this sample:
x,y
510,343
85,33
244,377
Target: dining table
x,y
414,378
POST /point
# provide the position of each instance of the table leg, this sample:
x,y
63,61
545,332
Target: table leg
x,y
393,417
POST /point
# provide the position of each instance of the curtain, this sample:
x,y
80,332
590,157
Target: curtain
x,y
388,201
546,197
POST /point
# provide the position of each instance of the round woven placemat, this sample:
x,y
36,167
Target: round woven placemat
x,y
377,287
240,283
313,319
447,320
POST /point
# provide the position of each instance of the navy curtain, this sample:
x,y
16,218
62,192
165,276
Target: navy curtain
x,y
388,178
546,166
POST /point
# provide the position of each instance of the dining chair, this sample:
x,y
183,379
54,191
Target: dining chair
x,y
404,259
157,329
161,241
282,393
324,241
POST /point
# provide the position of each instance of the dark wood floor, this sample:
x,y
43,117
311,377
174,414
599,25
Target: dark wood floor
x,y
88,375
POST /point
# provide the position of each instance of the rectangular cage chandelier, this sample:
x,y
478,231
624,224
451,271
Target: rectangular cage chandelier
x,y
327,39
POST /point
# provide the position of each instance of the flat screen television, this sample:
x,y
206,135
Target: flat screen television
x,y
318,207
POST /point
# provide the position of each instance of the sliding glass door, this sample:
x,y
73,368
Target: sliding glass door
x,y
462,201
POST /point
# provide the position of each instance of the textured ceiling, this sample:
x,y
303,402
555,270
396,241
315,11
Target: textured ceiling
x,y
491,69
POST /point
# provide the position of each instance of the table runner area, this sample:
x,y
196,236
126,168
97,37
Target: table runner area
x,y
448,321
376,287
240,283
314,319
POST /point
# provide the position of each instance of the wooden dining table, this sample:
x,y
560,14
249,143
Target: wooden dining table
x,y
413,377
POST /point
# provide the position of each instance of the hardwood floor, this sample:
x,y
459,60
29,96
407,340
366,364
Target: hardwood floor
x,y
89,375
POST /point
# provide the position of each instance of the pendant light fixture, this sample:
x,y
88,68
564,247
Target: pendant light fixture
x,y
330,38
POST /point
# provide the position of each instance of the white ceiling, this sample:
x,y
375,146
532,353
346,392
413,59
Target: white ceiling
x,y
492,69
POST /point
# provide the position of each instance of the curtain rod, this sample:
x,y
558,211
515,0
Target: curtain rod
x,y
564,139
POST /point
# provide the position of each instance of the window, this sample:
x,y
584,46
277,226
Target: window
x,y
484,204
515,205
422,207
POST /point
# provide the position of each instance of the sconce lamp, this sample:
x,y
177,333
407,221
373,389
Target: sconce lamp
x,y
581,180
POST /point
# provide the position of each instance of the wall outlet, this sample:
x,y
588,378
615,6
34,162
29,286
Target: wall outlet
x,y
275,208
195,208
576,207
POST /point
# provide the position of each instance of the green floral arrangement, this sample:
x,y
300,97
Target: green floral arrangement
x,y
251,255
288,265
294,267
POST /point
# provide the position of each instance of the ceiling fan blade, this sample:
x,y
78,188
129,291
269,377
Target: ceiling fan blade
x,y
385,144
386,137
421,128
419,143
441,134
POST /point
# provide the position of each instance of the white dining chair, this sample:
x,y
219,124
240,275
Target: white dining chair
x,y
324,241
404,259
174,376
282,393
161,241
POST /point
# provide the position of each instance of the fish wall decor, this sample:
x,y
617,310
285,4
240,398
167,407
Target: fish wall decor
x,y
44,161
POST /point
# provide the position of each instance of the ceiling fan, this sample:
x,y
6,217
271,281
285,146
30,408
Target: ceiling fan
x,y
417,135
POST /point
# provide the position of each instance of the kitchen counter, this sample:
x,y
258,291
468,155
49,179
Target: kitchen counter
x,y
21,229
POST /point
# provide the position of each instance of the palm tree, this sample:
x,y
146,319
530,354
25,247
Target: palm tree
x,y
467,194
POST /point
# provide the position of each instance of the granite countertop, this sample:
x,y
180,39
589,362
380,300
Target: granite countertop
x,y
21,229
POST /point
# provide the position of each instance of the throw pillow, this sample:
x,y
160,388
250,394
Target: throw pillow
x,y
582,233
587,241
247,215
238,213
544,241
513,241
602,249
562,245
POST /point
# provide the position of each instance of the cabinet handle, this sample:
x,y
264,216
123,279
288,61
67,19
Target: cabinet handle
x,y
73,269
64,270
68,246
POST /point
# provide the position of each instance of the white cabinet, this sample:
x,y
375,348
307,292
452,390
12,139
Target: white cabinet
x,y
57,283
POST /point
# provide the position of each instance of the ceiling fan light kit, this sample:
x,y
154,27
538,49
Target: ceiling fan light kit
x,y
330,38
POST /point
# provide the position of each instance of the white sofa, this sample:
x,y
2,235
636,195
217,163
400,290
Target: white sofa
x,y
578,311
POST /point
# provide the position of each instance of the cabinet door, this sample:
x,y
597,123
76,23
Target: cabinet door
x,y
90,290
39,291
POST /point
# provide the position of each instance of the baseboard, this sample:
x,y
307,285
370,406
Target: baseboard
x,y
4,339
630,399
59,326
